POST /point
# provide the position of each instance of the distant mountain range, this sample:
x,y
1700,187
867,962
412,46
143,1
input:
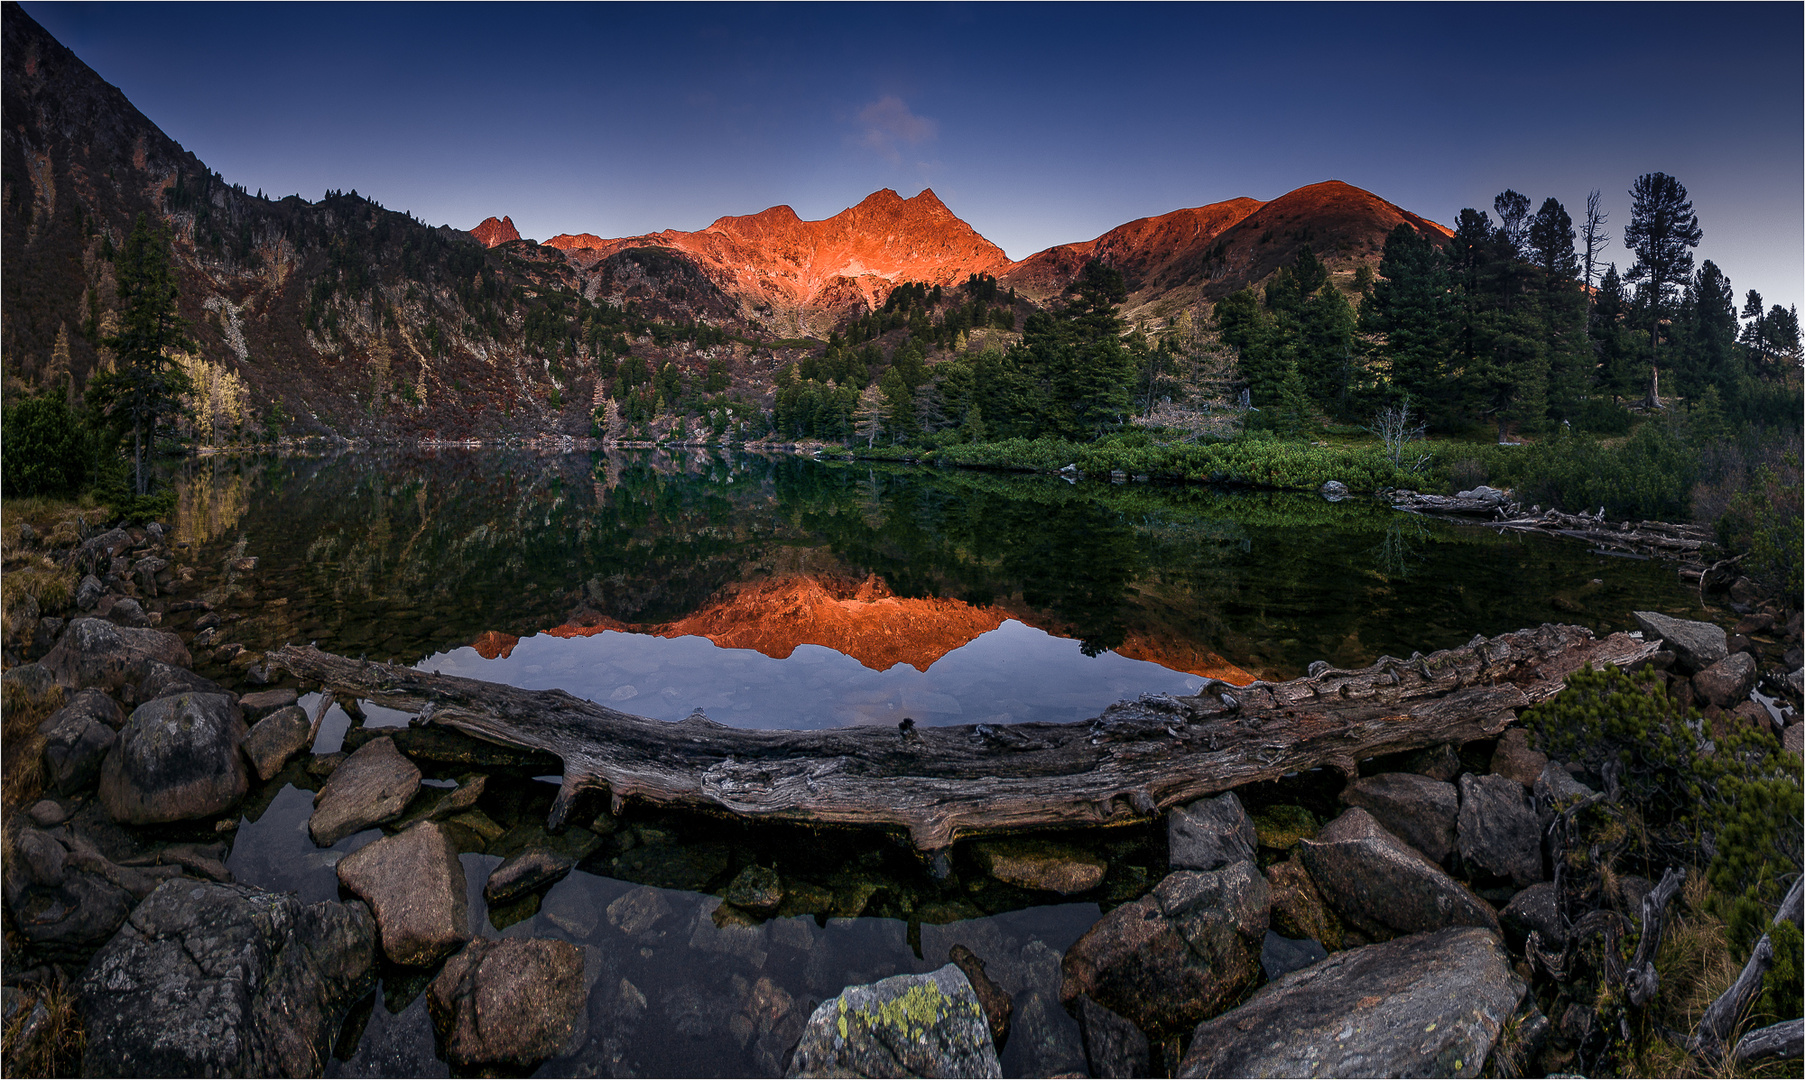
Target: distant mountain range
x,y
346,319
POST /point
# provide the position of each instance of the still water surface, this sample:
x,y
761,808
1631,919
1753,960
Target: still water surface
x,y
792,593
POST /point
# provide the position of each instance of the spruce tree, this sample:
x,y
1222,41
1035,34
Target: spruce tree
x,y
1662,232
145,384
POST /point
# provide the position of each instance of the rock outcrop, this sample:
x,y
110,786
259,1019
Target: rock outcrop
x,y
225,980
492,232
1426,1005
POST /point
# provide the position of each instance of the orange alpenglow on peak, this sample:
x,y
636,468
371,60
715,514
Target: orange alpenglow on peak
x,y
492,232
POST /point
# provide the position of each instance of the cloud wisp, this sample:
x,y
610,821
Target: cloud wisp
x,y
887,125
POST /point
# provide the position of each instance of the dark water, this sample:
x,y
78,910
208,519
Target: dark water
x,y
792,593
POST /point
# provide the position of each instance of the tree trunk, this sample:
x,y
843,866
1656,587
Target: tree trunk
x,y
939,783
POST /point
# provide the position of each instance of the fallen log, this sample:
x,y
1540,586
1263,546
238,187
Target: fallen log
x,y
938,783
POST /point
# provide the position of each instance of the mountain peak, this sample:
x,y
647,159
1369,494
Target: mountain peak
x,y
492,232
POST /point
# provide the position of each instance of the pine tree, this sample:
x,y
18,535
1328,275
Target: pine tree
x,y
1409,308
1662,232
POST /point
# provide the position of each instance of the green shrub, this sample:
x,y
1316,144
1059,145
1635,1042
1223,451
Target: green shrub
x,y
44,450
1765,524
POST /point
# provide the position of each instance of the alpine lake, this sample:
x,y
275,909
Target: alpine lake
x,y
787,592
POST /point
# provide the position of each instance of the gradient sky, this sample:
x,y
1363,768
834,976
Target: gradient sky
x,y
1037,124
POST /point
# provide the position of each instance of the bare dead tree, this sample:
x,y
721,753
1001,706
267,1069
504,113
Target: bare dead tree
x,y
1594,236
1397,429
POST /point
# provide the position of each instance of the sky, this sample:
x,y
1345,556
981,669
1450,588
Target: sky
x,y
1036,124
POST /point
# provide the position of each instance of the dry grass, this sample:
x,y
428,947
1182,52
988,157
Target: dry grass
x,y
52,519
21,747
57,1048
1696,967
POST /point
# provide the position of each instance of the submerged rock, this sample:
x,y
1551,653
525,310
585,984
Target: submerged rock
x,y
1175,956
526,872
177,759
1383,886
907,1025
511,1003
415,883
998,1006
225,980
1041,864
1426,1005
1113,1047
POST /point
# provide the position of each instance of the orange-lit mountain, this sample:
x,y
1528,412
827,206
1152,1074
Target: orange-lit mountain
x,y
492,232
1207,252
774,259
860,619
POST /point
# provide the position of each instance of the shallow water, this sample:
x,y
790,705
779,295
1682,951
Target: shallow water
x,y
792,593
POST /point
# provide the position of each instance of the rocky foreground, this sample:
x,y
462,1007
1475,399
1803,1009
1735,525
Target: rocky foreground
x,y
1396,938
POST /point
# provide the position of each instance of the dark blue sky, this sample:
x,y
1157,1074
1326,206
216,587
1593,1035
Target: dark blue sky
x,y
1038,125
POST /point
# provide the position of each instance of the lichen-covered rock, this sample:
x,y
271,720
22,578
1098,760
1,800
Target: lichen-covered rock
x,y
1498,829
225,980
415,883
374,785
1209,834
177,759
94,652
276,738
1176,955
1696,645
511,1003
906,1025
77,738
1382,886
1283,827
1426,1005
1728,681
1418,810
1041,864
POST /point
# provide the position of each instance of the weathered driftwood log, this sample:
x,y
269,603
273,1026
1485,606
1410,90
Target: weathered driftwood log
x,y
1721,1016
1641,981
1784,1041
1641,539
941,782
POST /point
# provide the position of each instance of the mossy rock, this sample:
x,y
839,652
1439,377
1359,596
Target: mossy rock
x,y
1280,827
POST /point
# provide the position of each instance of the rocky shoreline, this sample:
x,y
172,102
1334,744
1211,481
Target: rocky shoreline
x,y
1419,903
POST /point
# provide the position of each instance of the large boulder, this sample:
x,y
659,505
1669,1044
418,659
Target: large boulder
x,y
1426,1005
511,1003
1041,864
1499,833
1176,955
1728,681
225,980
94,652
1383,886
906,1025
177,759
1696,645
77,738
1209,834
1418,810
415,883
372,786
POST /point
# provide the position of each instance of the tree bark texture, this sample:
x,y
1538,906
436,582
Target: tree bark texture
x,y
939,783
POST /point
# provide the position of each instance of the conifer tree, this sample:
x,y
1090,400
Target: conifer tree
x,y
145,384
1662,232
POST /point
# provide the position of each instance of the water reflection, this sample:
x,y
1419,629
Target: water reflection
x,y
414,556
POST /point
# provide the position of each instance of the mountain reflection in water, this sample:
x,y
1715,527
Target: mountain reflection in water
x,y
792,592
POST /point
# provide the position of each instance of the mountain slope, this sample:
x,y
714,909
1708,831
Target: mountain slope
x,y
774,260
